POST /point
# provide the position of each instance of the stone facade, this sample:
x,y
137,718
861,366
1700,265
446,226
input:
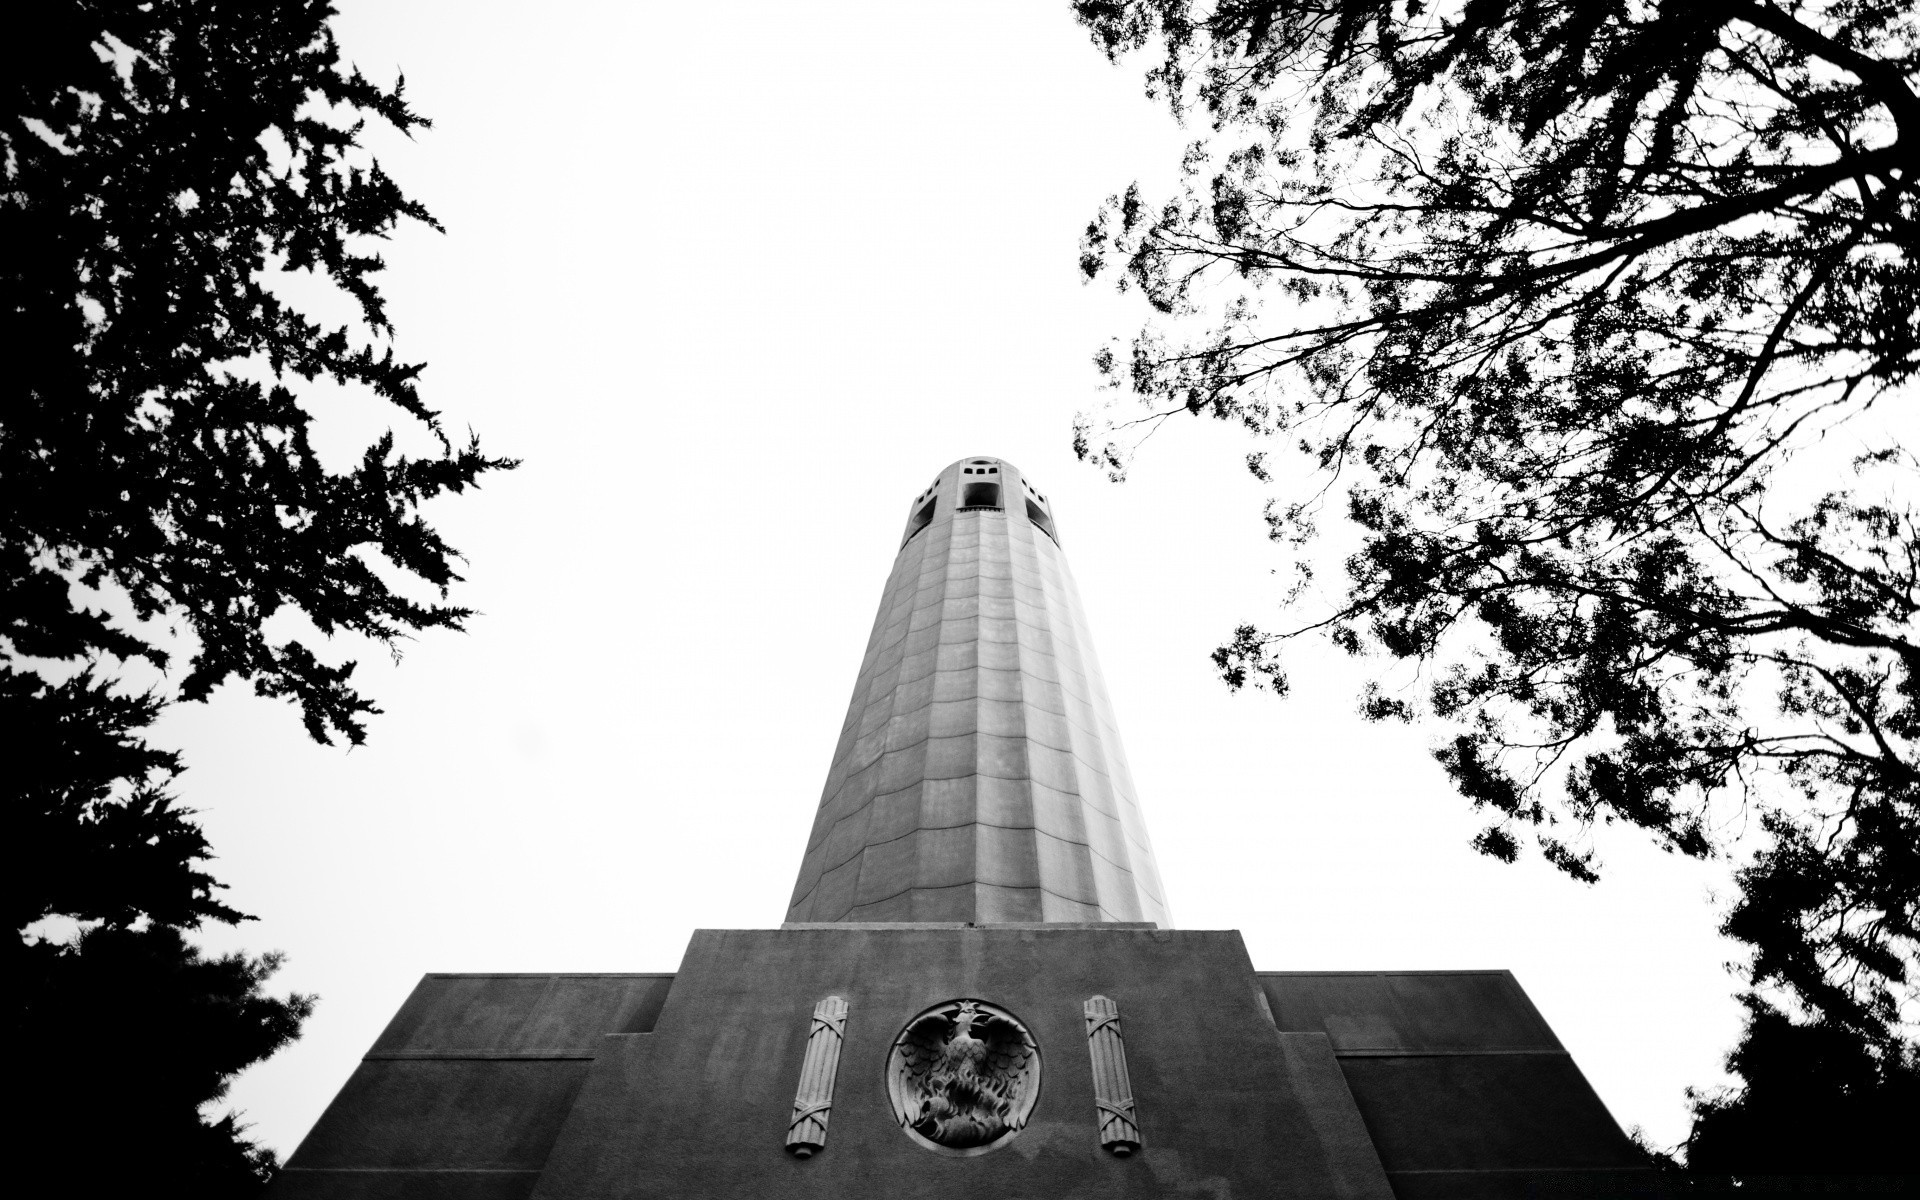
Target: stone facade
x,y
1422,1085
976,993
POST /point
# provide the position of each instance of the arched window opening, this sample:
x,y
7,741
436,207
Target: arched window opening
x,y
1041,519
980,495
921,519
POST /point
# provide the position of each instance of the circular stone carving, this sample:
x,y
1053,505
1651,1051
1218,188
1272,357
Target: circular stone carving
x,y
963,1077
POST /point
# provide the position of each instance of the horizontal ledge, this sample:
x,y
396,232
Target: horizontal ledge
x,y
1339,1052
571,1055
1042,888
1613,1170
549,975
968,925
410,1170
1385,974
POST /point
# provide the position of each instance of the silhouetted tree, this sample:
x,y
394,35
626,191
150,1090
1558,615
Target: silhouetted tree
x,y
101,838
1815,1100
120,1040
1561,298
167,164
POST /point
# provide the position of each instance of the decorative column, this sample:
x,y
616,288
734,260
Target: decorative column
x,y
1112,1090
813,1100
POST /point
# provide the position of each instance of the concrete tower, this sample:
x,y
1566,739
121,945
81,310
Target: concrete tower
x,y
976,992
979,775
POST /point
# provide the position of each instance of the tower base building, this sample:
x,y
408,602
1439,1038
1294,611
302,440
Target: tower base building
x,y
977,991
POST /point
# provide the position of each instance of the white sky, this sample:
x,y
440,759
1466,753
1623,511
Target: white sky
x,y
735,281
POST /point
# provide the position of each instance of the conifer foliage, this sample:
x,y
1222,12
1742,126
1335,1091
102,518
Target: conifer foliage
x,y
168,165
1582,311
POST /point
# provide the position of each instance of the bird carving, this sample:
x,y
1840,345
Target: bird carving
x,y
962,1073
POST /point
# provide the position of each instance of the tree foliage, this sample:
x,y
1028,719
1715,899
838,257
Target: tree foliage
x,y
1570,304
124,1037
174,172
1815,1100
167,165
91,798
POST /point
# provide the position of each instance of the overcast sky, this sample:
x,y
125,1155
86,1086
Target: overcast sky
x,y
735,281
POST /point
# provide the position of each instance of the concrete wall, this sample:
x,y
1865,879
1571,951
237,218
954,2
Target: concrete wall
x,y
1227,1105
1463,1087
463,1095
504,1087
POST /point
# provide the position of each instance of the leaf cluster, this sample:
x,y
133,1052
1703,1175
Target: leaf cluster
x,y
1814,1101
1565,297
123,1038
165,164
109,843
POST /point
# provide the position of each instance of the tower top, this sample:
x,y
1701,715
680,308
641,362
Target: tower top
x,y
983,484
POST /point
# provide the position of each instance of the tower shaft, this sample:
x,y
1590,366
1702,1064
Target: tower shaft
x,y
979,775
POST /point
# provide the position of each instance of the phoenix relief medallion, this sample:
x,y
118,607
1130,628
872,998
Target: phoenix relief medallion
x,y
963,1077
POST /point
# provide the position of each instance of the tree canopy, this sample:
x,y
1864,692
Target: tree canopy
x,y
169,167
1583,313
166,162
